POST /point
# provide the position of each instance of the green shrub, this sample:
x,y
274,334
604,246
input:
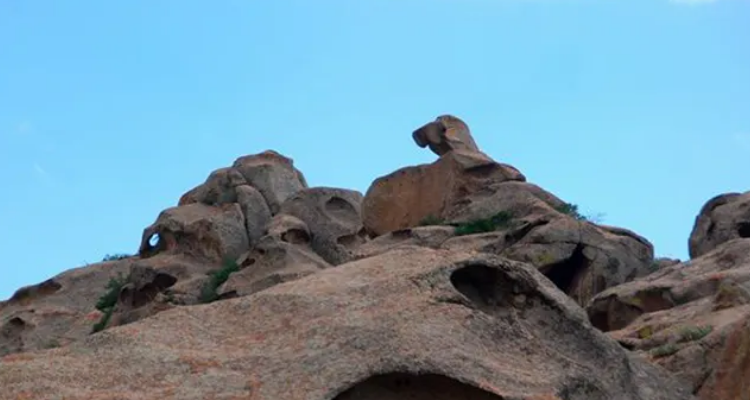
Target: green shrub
x,y
107,301
217,278
572,210
498,221
665,350
431,220
115,257
691,333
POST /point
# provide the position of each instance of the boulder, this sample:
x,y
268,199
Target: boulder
x,y
445,134
273,174
138,297
333,217
411,195
691,318
722,218
207,232
256,212
409,321
219,188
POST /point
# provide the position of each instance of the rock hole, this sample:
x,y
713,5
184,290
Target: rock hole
x,y
154,240
567,274
164,281
342,209
402,386
743,229
350,241
480,284
295,236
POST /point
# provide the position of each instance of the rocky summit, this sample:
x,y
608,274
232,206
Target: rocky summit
x,y
457,279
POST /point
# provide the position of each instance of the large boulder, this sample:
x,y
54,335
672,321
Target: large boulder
x,y
723,218
411,195
198,230
219,188
407,323
273,174
692,318
334,219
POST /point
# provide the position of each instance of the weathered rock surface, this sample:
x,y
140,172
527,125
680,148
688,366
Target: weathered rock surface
x,y
405,198
202,231
692,318
334,218
582,258
273,175
723,218
411,320
446,133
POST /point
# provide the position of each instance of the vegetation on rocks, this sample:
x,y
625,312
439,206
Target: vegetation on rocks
x,y
692,333
498,221
107,302
216,279
116,257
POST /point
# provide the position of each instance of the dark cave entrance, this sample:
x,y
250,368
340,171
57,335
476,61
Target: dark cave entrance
x,y
404,386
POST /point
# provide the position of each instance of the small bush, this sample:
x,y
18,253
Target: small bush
x,y
116,257
107,301
692,333
217,278
572,210
431,220
665,350
498,221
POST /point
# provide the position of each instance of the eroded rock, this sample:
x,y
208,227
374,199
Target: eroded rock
x,y
208,232
219,188
685,317
411,195
467,321
273,174
334,219
723,218
446,133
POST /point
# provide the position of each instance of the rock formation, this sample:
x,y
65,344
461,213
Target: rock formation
x,y
446,133
692,318
454,279
723,218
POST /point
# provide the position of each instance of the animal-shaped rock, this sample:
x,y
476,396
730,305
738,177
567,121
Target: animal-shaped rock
x,y
444,134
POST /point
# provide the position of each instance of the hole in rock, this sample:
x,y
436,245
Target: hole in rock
x,y
402,386
154,241
568,274
480,284
743,229
341,208
295,236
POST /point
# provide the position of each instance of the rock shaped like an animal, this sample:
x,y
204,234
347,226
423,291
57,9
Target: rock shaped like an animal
x,y
722,218
446,133
411,320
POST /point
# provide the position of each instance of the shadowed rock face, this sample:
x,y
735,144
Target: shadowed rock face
x,y
723,218
474,325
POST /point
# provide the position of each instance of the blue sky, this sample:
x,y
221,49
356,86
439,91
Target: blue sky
x,y
109,111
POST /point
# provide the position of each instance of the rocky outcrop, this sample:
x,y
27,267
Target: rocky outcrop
x,y
334,219
205,232
688,318
411,195
723,218
445,134
407,319
532,225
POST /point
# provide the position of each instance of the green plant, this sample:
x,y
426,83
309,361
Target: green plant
x,y
115,257
431,220
216,279
500,220
107,301
570,209
691,333
665,350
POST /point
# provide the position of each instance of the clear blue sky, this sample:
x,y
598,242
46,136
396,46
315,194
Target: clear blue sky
x,y
109,111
